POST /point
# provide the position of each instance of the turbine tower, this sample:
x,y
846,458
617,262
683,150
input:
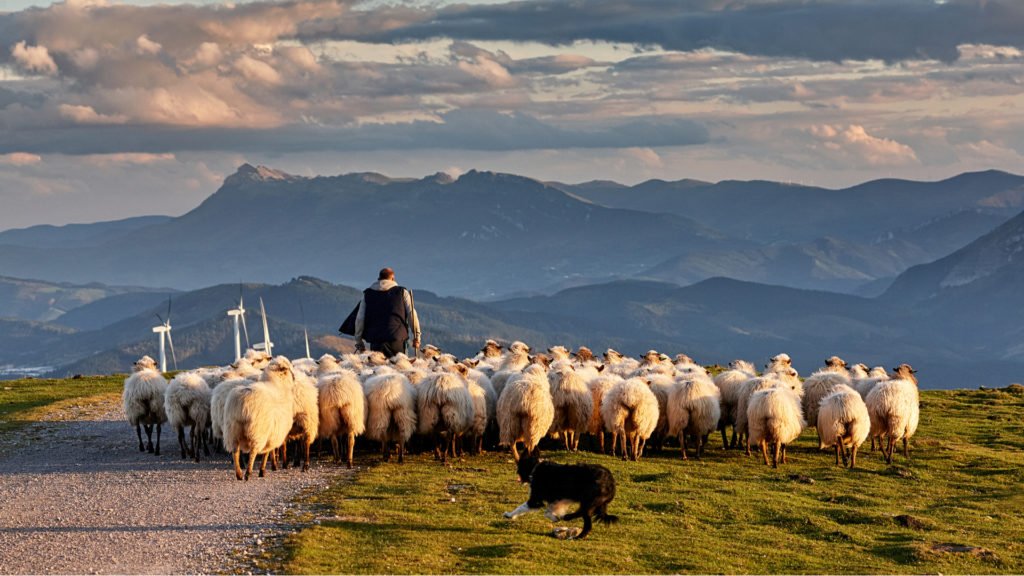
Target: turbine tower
x,y
236,314
164,330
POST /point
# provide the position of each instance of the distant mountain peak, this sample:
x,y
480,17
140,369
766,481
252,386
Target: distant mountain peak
x,y
249,173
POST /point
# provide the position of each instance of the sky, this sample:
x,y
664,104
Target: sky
x,y
115,109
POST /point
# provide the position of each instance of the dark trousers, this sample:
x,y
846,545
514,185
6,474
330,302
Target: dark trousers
x,y
388,348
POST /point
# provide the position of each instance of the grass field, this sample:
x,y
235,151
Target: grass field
x,y
955,507
25,401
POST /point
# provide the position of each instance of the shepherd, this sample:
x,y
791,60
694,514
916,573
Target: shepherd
x,y
386,316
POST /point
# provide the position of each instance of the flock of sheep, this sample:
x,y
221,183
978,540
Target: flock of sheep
x,y
260,405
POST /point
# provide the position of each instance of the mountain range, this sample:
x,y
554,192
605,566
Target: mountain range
x,y
486,235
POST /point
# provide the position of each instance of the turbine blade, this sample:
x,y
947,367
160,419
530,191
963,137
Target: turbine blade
x,y
170,342
266,328
245,330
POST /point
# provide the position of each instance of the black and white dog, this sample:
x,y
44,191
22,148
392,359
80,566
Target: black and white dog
x,y
560,484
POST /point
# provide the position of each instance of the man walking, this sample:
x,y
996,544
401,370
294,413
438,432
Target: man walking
x,y
386,316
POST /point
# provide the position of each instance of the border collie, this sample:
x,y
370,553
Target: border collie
x,y
560,484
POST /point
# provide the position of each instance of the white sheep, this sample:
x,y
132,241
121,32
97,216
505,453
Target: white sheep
x,y
307,366
782,376
729,384
894,408
480,384
630,412
525,410
143,401
391,413
342,410
774,417
820,384
512,365
187,403
662,385
694,410
445,411
305,419
843,422
598,387
573,404
616,363
218,400
258,416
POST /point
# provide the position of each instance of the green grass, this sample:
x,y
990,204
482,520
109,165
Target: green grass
x,y
26,401
964,485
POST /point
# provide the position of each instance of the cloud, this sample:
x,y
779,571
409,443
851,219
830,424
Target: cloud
x,y
138,158
34,59
147,46
854,142
20,159
87,115
889,30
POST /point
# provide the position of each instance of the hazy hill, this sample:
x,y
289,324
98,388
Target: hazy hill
x,y
776,212
481,234
47,236
45,301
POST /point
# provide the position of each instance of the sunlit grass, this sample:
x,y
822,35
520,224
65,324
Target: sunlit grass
x,y
964,485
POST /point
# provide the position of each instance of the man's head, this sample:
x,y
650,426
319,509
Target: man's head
x,y
386,274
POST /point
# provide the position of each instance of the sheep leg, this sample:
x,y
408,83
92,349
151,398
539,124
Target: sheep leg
x,y
284,455
305,463
702,441
206,435
784,459
682,444
906,449
853,456
733,443
385,451
351,447
138,430
515,453
887,450
238,467
840,451
837,454
764,450
636,447
776,451
642,447
334,449
401,452
181,442
725,441
157,452
600,440
263,464
252,461
197,440
149,437
622,444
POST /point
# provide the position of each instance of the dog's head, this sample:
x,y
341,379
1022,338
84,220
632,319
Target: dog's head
x,y
525,466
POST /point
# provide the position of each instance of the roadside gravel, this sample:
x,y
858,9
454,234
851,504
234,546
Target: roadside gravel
x,y
76,496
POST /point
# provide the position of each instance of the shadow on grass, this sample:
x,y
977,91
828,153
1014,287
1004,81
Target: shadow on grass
x,y
493,551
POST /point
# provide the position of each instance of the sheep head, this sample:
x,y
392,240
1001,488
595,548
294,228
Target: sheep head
x,y
835,362
583,354
144,363
906,372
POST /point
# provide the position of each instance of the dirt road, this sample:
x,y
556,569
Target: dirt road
x,y
78,497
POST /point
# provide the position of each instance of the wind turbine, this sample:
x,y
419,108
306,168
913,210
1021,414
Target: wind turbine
x,y
266,345
164,330
236,314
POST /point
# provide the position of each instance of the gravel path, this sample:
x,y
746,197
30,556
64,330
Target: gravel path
x,y
78,497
